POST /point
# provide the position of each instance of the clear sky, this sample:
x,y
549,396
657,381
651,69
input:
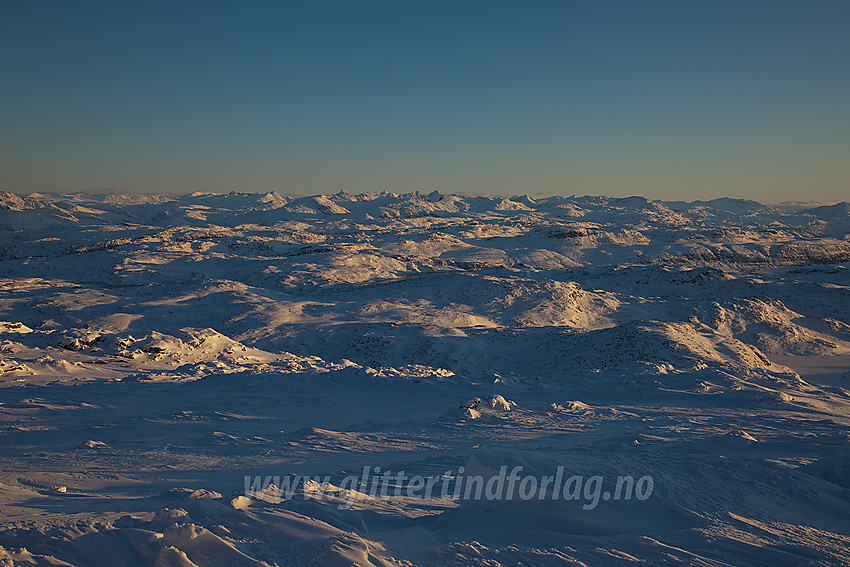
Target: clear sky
x,y
678,99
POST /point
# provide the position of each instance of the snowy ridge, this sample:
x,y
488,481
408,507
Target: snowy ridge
x,y
424,268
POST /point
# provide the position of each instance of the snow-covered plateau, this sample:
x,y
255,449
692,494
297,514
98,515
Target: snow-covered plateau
x,y
260,380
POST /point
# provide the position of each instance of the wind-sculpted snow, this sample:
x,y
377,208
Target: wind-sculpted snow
x,y
156,350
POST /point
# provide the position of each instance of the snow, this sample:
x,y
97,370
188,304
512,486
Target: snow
x,y
225,379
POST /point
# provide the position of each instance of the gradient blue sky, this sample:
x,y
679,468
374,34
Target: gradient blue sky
x,y
666,99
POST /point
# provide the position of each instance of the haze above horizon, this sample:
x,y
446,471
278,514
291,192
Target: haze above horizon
x,y
669,100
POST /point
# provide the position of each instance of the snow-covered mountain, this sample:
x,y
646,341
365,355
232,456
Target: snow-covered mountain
x,y
187,341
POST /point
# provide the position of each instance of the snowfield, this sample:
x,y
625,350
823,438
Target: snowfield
x,y
259,380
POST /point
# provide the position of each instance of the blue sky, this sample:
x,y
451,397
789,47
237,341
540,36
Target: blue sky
x,y
666,99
